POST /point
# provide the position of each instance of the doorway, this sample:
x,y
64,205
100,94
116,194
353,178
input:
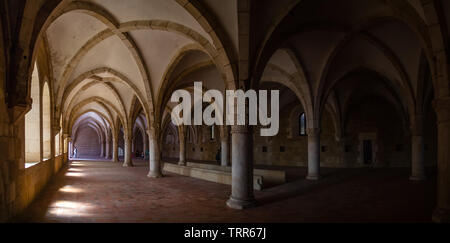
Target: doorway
x,y
368,152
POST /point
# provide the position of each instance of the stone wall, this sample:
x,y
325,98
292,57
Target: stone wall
x,y
200,148
373,118
288,148
88,143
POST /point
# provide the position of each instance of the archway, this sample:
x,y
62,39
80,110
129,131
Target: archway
x,y
46,122
32,124
87,142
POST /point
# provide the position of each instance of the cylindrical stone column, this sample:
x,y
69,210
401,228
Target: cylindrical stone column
x,y
225,159
102,149
127,157
182,161
242,171
418,158
313,154
108,148
145,148
70,149
155,161
115,157
442,212
66,148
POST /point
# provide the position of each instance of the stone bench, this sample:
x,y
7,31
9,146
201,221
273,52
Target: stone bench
x,y
217,176
272,177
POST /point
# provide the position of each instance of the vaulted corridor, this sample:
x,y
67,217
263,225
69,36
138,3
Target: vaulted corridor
x,y
99,191
160,110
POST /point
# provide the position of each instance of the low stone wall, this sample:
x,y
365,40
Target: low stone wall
x,y
59,162
29,183
273,177
216,176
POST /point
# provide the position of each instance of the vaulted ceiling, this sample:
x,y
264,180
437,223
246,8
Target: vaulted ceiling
x,y
115,57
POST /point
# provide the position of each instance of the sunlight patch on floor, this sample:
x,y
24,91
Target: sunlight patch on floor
x,y
70,209
71,189
75,174
31,164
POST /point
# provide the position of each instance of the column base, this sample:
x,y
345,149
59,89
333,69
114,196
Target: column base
x,y
182,163
241,204
127,165
441,215
418,178
313,177
154,175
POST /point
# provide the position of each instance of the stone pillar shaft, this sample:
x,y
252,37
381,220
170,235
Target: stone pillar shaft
x,y
418,158
66,147
127,157
108,149
313,154
70,149
145,148
442,212
225,159
115,157
182,150
102,149
155,160
242,170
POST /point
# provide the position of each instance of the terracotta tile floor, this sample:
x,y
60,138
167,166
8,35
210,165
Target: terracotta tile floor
x,y
101,191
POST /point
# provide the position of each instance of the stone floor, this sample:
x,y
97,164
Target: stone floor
x,y
99,191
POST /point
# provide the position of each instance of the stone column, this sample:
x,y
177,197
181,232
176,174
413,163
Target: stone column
x,y
102,149
108,148
70,149
418,152
155,163
313,154
66,148
242,171
61,144
145,146
128,140
224,143
182,137
115,155
442,212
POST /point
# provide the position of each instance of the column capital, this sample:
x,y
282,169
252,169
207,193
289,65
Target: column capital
x,y
314,131
56,129
154,131
416,130
224,132
241,129
416,127
127,137
19,111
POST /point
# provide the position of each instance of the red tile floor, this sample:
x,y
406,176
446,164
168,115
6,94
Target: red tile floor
x,y
90,191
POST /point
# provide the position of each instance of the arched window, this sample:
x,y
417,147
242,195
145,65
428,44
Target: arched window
x,y
302,124
32,124
46,122
57,150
